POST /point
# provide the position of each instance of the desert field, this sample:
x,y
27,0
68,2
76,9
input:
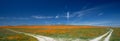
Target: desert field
x,y
58,33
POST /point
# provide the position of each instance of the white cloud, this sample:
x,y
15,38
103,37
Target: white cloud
x,y
18,18
74,14
42,17
56,16
100,14
89,11
85,12
100,23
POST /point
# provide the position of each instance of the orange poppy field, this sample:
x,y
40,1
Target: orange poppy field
x,y
57,31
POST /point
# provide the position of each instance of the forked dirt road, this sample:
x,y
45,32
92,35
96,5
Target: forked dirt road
x,y
44,38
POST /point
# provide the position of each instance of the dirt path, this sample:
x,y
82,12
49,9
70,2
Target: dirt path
x,y
108,37
100,37
44,38
38,37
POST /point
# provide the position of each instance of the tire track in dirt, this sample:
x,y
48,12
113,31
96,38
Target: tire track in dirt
x,y
107,37
38,37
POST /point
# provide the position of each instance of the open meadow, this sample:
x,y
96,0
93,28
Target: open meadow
x,y
60,33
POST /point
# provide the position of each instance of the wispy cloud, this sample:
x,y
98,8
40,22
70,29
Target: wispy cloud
x,y
89,11
57,16
85,6
43,17
81,13
100,14
85,12
100,23
2,18
12,18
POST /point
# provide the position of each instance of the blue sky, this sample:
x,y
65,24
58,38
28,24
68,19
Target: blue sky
x,y
54,12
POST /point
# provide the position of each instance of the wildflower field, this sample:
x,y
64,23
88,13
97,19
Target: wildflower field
x,y
81,32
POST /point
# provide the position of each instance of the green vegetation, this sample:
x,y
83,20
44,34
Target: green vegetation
x,y
82,33
6,35
116,35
